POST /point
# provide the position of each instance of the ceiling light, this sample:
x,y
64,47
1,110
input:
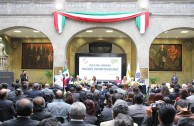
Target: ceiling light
x,y
184,31
59,4
89,31
109,31
36,31
143,4
17,31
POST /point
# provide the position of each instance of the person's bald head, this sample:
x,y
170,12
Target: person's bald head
x,y
59,94
3,93
39,103
24,107
46,85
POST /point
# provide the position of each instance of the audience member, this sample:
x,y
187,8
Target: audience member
x,y
150,99
35,91
75,95
106,113
50,122
186,122
138,109
39,112
6,107
19,95
182,107
77,115
120,107
25,88
166,114
90,112
24,109
123,120
58,107
48,93
191,97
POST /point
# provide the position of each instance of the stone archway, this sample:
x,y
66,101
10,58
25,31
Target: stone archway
x,y
123,44
178,62
17,40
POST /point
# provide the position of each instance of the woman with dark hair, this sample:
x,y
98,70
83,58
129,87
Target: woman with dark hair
x,y
183,95
106,113
165,91
150,99
90,112
129,99
69,98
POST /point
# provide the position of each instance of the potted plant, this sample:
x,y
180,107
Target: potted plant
x,y
49,75
153,80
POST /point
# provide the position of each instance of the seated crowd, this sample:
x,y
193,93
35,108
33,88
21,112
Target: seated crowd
x,y
96,105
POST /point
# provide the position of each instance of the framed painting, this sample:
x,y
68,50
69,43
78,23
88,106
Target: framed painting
x,y
165,57
37,56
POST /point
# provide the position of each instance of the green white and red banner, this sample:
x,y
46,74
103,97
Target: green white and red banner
x,y
142,18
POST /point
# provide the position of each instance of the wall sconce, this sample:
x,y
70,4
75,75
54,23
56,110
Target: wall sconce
x,y
143,4
59,4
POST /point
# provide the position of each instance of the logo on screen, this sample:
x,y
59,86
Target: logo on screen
x,y
114,61
85,60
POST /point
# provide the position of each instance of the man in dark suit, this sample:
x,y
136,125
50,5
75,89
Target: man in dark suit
x,y
24,110
174,78
75,95
77,115
39,112
6,107
24,76
35,91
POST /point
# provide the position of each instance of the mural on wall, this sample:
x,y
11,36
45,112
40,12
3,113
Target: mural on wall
x,y
165,57
37,56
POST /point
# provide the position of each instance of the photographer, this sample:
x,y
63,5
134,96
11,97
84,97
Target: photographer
x,y
159,114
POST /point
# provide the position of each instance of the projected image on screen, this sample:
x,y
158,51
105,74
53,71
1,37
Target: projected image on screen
x,y
102,66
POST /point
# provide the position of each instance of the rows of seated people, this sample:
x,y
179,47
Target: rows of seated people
x,y
107,105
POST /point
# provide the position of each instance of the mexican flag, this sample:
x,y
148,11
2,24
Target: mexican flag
x,y
142,18
65,74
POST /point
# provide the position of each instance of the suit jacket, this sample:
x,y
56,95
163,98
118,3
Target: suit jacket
x,y
174,79
190,99
137,110
183,114
76,97
77,123
35,93
59,108
6,109
41,115
106,114
90,119
20,121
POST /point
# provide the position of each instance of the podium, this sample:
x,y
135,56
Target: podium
x,y
7,77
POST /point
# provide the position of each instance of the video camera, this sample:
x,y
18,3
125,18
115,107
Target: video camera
x,y
157,105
